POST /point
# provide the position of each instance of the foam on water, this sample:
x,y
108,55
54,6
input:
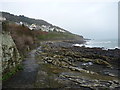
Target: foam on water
x,y
105,44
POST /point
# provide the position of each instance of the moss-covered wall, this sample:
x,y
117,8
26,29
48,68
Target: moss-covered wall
x,y
10,56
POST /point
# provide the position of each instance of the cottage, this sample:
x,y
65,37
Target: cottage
x,y
32,27
2,18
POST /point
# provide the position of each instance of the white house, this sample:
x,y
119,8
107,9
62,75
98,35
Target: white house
x,y
32,27
21,23
2,18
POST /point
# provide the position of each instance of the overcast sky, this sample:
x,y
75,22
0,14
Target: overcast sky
x,y
92,19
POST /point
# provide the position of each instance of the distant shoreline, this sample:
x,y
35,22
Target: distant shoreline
x,y
84,43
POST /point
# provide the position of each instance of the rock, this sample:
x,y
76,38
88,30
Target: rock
x,y
81,70
89,63
81,64
102,62
10,55
49,61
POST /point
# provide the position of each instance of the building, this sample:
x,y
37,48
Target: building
x,y
2,18
32,27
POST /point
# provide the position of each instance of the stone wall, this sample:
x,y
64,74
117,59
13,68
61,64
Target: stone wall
x,y
10,55
0,54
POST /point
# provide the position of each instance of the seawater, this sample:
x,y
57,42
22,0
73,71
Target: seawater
x,y
103,43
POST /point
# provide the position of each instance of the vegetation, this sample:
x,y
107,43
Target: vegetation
x,y
22,18
55,36
26,40
24,31
22,36
12,72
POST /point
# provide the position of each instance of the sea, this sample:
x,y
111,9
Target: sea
x,y
102,43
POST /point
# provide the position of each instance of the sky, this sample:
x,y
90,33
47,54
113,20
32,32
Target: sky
x,y
94,19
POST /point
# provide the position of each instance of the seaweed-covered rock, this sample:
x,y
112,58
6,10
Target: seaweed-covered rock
x,y
84,67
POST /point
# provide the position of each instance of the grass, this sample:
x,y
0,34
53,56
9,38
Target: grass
x,y
12,72
55,36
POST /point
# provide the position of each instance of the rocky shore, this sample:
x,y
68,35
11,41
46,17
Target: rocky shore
x,y
62,65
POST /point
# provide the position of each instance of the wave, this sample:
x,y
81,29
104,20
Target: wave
x,y
99,42
78,45
117,47
105,44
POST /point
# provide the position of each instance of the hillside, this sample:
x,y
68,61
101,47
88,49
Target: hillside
x,y
27,38
24,19
54,32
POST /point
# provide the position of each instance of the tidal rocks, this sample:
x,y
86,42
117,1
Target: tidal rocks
x,y
87,82
89,63
84,66
96,61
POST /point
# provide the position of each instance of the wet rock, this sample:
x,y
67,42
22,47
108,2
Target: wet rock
x,y
89,63
49,61
96,61
90,59
102,62
91,83
108,73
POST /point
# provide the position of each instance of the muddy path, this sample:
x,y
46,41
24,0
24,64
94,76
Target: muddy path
x,y
26,77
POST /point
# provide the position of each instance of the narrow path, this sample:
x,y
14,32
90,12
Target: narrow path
x,y
26,77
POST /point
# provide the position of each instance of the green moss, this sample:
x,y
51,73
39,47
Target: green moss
x,y
96,61
12,72
102,62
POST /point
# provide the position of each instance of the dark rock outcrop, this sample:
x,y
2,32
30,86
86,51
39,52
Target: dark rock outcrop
x,y
77,66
